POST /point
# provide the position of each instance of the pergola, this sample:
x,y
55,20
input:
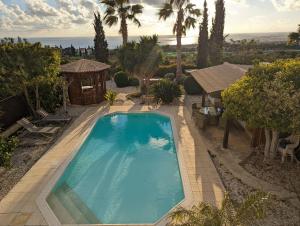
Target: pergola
x,y
86,81
214,80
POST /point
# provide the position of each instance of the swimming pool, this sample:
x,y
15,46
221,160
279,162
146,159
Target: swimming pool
x,y
125,172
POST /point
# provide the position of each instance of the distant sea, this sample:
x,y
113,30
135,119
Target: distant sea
x,y
115,41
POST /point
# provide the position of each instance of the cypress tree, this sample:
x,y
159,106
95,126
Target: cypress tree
x,y
216,41
202,57
73,50
101,46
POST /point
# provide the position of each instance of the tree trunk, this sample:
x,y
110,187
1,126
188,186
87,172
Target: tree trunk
x,y
124,30
178,46
226,134
267,145
37,97
28,100
274,143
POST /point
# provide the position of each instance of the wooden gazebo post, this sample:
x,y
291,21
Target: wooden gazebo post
x,y
226,134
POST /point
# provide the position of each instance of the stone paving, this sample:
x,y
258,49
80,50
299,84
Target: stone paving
x,y
19,206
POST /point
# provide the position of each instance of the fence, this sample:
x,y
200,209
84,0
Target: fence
x,y
11,110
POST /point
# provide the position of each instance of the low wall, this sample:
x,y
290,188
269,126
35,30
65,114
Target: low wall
x,y
11,110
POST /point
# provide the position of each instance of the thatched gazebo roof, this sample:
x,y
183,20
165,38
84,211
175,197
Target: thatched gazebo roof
x,y
218,78
84,66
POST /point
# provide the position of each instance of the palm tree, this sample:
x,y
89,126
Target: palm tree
x,y
121,10
187,16
253,207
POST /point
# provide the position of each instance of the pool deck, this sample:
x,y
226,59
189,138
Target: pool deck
x,y
20,207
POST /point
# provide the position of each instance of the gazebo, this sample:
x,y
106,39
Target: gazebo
x,y
214,80
86,81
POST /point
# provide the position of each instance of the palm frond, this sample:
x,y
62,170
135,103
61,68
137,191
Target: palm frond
x,y
254,207
227,211
111,20
110,11
166,11
175,28
110,3
124,9
134,20
136,9
190,22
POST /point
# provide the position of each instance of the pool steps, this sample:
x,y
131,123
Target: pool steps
x,y
69,207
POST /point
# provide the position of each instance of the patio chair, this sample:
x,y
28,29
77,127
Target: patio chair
x,y
52,118
48,130
289,149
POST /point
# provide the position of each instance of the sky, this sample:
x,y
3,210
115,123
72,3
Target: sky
x,y
63,18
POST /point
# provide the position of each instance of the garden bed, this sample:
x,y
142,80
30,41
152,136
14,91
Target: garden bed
x,y
279,213
285,175
23,158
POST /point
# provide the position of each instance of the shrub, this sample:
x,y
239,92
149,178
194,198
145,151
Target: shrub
x,y
7,147
170,76
192,87
171,68
165,69
251,209
165,91
188,67
133,81
110,96
51,95
121,79
181,79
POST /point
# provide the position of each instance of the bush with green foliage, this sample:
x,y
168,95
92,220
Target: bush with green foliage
x,y
133,81
171,68
230,214
181,79
25,65
165,69
121,79
170,76
191,86
165,91
51,95
7,147
110,96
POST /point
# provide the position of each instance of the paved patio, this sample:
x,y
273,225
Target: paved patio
x,y
19,206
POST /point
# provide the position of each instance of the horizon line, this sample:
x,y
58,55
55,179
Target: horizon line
x,y
234,33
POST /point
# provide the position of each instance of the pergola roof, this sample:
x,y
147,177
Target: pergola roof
x,y
84,66
218,78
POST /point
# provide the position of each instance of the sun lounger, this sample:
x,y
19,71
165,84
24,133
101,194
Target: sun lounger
x,y
48,130
53,118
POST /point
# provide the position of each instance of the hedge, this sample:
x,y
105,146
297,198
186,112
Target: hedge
x,y
192,87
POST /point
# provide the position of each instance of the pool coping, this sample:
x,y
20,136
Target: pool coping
x,y
51,218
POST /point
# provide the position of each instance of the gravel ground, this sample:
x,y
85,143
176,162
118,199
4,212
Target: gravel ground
x,y
23,159
279,213
285,175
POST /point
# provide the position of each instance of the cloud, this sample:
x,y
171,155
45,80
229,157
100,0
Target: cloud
x,y
286,5
39,15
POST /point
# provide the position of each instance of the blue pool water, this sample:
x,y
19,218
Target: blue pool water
x,y
126,172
